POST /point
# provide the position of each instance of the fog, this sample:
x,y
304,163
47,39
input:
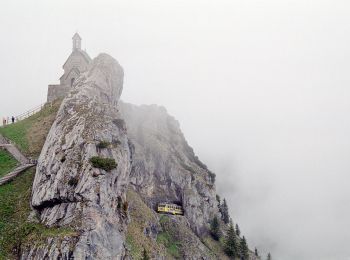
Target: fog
x,y
260,88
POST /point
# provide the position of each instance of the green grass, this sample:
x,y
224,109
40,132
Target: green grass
x,y
7,162
31,130
167,238
135,249
170,243
15,231
17,133
141,217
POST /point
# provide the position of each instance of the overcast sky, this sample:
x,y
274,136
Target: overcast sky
x,y
260,87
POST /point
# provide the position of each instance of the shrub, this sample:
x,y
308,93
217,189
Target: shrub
x,y
125,206
106,164
73,181
120,201
103,144
145,255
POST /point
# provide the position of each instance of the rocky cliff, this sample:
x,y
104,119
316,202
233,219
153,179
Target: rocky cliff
x,y
69,189
165,168
100,149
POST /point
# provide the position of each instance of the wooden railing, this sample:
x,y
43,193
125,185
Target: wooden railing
x,y
29,113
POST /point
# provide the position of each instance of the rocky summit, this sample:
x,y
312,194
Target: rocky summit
x,y
68,188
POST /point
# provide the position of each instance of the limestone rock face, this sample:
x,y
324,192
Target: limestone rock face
x,y
165,168
67,189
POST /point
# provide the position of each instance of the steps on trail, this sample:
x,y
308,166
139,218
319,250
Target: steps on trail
x,y
24,161
10,176
15,152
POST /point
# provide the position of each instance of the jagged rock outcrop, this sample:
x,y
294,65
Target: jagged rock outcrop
x,y
68,190
165,167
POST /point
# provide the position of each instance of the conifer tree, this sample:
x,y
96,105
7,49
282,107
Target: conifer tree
x,y
238,231
243,248
230,244
219,201
256,252
224,212
215,228
145,256
269,256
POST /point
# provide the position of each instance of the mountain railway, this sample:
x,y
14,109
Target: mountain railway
x,y
169,208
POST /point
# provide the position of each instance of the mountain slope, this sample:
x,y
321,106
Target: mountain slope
x,y
165,168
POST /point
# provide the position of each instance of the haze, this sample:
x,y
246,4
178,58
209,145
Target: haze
x,y
261,89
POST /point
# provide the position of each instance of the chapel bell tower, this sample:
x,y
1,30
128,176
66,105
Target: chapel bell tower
x,y
76,42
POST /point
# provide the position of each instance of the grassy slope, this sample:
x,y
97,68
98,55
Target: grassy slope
x,y
30,134
141,217
15,231
7,162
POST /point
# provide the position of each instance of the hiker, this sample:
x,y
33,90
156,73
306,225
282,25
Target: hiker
x,y
13,119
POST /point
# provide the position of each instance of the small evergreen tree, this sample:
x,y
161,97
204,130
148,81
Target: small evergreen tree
x,y
243,248
256,252
215,228
269,256
219,201
218,198
145,256
224,212
230,244
238,231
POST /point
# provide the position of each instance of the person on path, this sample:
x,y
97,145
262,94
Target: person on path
x,y
13,119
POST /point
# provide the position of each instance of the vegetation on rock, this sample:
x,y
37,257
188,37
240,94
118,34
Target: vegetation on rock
x,y
243,248
141,217
103,144
256,253
225,216
73,181
238,231
106,164
215,228
269,256
145,255
230,243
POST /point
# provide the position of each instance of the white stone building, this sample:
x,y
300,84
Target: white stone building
x,y
77,62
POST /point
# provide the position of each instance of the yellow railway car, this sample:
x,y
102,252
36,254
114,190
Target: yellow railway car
x,y
170,209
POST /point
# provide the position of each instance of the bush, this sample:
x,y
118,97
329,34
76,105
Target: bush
x,y
106,164
145,255
125,206
73,181
103,144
